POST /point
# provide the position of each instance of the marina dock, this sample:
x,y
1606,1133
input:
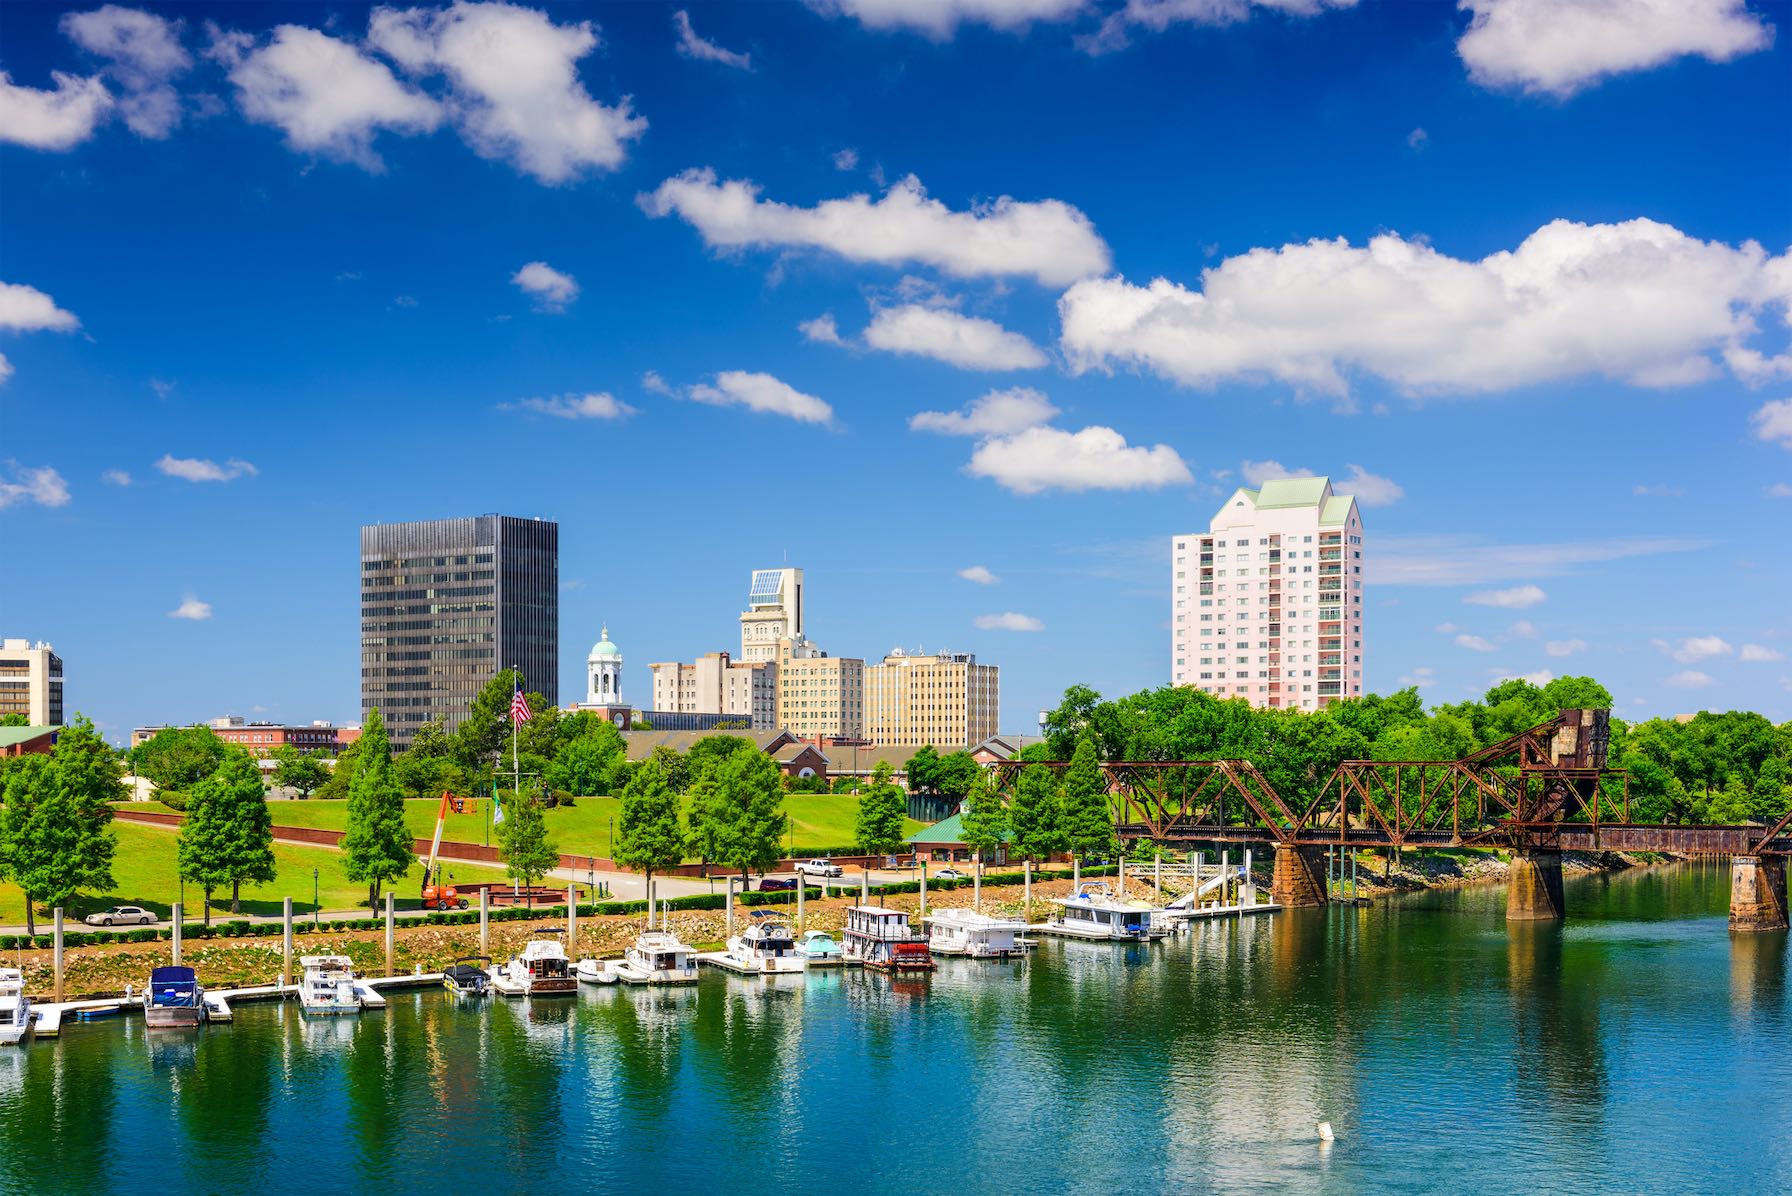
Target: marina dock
x,y
48,1016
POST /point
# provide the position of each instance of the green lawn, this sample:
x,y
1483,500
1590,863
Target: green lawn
x,y
144,870
818,820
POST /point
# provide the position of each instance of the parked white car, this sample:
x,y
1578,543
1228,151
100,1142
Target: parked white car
x,y
122,915
818,868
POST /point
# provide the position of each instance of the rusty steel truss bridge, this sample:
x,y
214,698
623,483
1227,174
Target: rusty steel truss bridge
x,y
1544,789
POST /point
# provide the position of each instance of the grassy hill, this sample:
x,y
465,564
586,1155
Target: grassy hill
x,y
144,869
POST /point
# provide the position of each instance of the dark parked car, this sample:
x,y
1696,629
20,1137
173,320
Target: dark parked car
x,y
775,884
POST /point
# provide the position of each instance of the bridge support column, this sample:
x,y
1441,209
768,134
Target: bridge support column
x,y
1757,893
1299,877
1534,889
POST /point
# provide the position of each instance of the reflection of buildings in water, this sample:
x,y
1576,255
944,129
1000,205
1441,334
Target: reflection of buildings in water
x,y
12,1072
1758,974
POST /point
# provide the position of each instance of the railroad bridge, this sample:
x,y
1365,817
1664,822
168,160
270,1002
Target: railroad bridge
x,y
1543,791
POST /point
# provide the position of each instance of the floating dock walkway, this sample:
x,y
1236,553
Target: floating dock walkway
x,y
48,1016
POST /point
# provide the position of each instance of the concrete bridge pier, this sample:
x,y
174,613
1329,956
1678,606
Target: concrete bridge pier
x,y
1299,877
1757,893
1534,889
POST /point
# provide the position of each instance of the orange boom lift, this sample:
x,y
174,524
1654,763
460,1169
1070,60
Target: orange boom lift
x,y
435,894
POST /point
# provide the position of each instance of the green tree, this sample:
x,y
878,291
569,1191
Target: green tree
x,y
1037,815
922,771
15,719
710,818
1088,826
431,742
178,757
1770,798
649,836
377,845
985,818
482,741
753,794
302,771
529,853
957,775
228,834
342,771
586,766
54,831
882,812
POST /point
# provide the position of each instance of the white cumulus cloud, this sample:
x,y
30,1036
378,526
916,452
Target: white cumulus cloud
x,y
761,393
551,289
1370,489
191,608
1048,240
1420,678
1638,301
1516,598
1564,647
202,469
1690,679
1695,648
327,96
1474,643
601,405
1759,654
116,477
34,484
56,119
980,575
691,45
1779,490
998,413
1008,621
1095,458
1524,629
1557,47
1255,473
1155,16
513,84
822,330
1772,422
1432,560
144,56
1539,678
27,309
968,342
940,19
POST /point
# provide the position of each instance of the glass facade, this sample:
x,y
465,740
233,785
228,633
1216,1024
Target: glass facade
x,y
445,604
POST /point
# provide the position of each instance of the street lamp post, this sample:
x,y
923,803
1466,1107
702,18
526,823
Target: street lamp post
x,y
315,905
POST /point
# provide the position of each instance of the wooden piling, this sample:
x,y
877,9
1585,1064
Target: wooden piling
x,y
286,943
865,886
1157,880
1026,872
485,930
572,919
389,932
58,933
1122,876
728,907
977,887
923,888
1076,873
802,889
176,914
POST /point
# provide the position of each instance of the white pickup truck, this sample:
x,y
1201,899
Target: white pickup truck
x,y
818,868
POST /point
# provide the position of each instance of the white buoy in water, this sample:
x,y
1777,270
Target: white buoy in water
x,y
1325,1131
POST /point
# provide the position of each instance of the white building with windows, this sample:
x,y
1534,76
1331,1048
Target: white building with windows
x,y
774,612
1267,605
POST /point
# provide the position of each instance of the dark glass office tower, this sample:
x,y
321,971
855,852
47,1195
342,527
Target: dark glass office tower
x,y
445,604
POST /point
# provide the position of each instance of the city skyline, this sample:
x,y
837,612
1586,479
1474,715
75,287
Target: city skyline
x,y
973,384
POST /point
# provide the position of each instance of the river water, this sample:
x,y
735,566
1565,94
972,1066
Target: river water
x,y
1638,1048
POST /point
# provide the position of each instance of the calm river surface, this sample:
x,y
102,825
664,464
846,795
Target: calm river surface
x,y
1639,1048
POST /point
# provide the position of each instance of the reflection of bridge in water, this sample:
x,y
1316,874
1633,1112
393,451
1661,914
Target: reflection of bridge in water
x,y
1539,793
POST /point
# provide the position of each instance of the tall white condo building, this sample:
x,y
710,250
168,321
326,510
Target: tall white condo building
x,y
1268,604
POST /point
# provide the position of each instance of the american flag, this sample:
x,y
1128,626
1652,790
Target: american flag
x,y
519,708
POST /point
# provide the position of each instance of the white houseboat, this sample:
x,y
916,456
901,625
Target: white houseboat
x,y
1094,912
766,946
977,936
656,957
881,938
327,985
542,970
15,1008
174,999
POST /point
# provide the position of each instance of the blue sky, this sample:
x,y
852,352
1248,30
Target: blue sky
x,y
1521,269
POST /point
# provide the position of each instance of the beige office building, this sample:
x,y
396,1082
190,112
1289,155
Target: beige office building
x,y
774,612
945,699
714,683
819,694
31,682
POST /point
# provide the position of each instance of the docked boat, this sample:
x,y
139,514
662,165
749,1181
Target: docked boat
x,y
974,935
15,1008
766,946
327,985
1095,912
598,971
542,970
656,957
174,999
468,977
820,949
882,938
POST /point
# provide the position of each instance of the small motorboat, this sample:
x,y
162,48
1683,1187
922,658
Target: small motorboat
x,y
174,999
468,977
819,948
327,985
15,1008
542,970
766,946
598,971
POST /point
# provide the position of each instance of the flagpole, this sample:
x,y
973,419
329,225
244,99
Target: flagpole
x,y
515,775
